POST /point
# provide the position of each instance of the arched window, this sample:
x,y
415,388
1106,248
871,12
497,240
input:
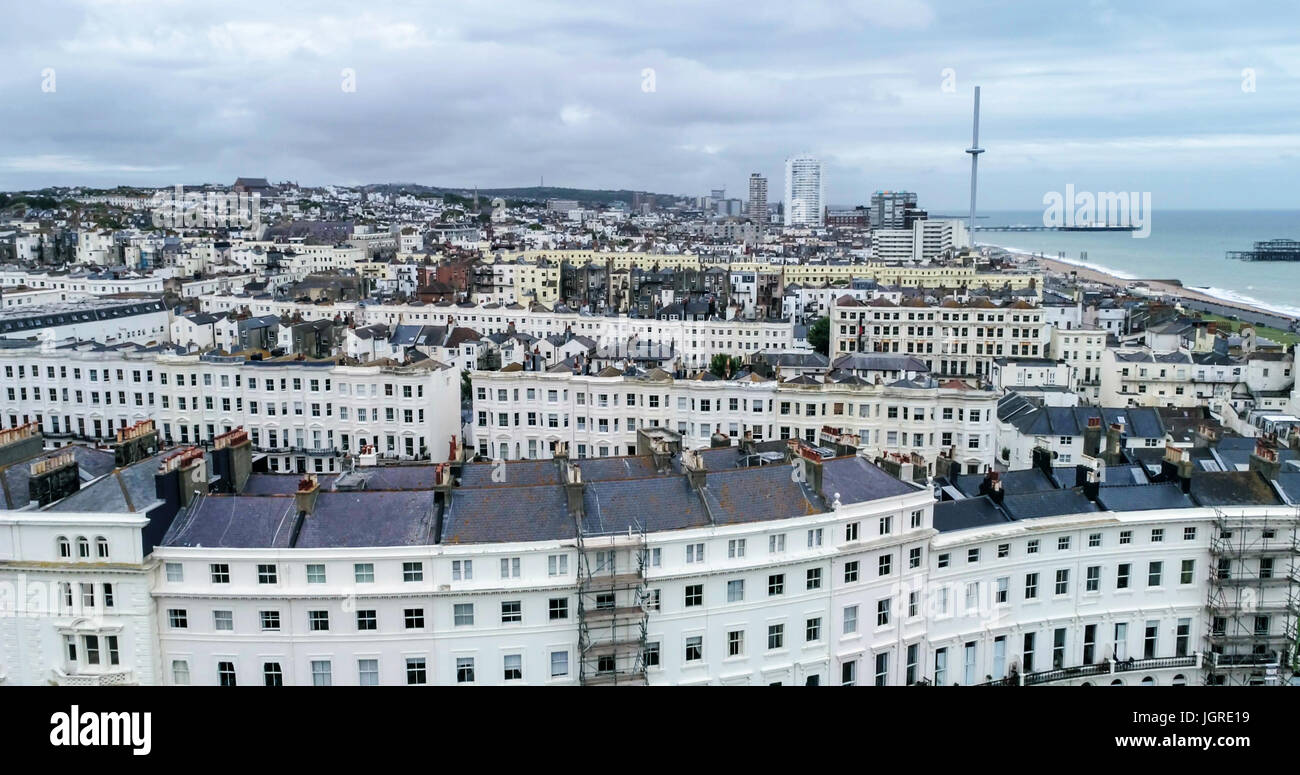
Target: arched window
x,y
65,548
101,548
1148,681
1086,683
1117,682
1180,680
83,547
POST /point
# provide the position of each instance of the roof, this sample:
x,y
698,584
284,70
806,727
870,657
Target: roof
x,y
1047,504
1144,497
967,513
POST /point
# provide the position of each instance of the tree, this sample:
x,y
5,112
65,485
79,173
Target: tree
x,y
721,362
819,335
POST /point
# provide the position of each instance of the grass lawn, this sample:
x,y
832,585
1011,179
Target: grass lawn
x,y
1277,335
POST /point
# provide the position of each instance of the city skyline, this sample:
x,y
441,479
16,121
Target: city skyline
x,y
461,99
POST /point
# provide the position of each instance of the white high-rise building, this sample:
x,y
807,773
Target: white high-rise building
x,y
804,191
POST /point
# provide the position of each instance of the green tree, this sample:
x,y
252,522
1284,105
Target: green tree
x,y
819,335
720,362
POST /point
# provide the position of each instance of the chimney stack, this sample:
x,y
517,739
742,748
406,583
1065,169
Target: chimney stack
x,y
135,443
181,476
812,468
232,460
1092,437
1265,459
1114,436
696,473
20,443
306,494
574,489
1042,460
53,478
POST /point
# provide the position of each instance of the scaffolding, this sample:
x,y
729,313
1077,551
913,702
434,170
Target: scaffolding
x,y
1254,599
613,608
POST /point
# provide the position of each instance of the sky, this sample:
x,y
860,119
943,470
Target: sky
x,y
1196,102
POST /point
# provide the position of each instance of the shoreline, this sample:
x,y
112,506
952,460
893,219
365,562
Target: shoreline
x,y
1156,287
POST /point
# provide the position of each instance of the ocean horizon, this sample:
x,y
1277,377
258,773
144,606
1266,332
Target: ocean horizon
x,y
1185,245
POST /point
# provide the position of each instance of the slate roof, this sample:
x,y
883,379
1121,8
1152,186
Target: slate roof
x,y
1232,488
537,513
1031,420
365,518
1022,481
967,513
660,503
123,490
1047,504
756,494
1144,497
857,480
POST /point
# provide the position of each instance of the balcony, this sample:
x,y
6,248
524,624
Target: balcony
x,y
114,678
1107,667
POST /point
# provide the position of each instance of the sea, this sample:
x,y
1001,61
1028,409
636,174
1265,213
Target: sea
x,y
1184,245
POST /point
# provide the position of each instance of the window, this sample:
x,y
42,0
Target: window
x,y
413,618
223,620
813,630
514,667
943,560
1062,582
180,672
814,538
884,565
1188,572
558,608
886,526
318,621
776,584
321,672
463,614
1157,535
851,531
65,548
511,612
226,673
1189,534
367,619
850,619
882,668
736,548
1153,574
175,572
1031,586
560,663
558,564
735,590
413,571
941,666
972,555
177,618
364,572
1094,540
316,574
1063,543
736,643
1003,550
850,572
694,595
694,648
1121,575
368,672
270,620
266,574
882,612
914,557
220,573
849,673
1002,589
1126,536
1032,547
814,580
101,548
694,553
415,671
775,636
1092,579
462,570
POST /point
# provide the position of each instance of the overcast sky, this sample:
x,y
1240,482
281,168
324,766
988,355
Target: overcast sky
x,y
1106,95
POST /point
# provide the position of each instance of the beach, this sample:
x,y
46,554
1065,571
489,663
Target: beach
x,y
1143,286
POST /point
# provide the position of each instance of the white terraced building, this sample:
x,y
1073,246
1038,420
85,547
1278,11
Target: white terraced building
x,y
524,414
697,341
661,568
303,415
953,338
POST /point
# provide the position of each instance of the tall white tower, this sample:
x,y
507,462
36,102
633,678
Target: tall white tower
x,y
974,150
804,191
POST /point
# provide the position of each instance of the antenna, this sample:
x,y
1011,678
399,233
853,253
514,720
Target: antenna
x,y
974,150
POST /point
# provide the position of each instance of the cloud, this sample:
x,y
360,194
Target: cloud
x,y
155,93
